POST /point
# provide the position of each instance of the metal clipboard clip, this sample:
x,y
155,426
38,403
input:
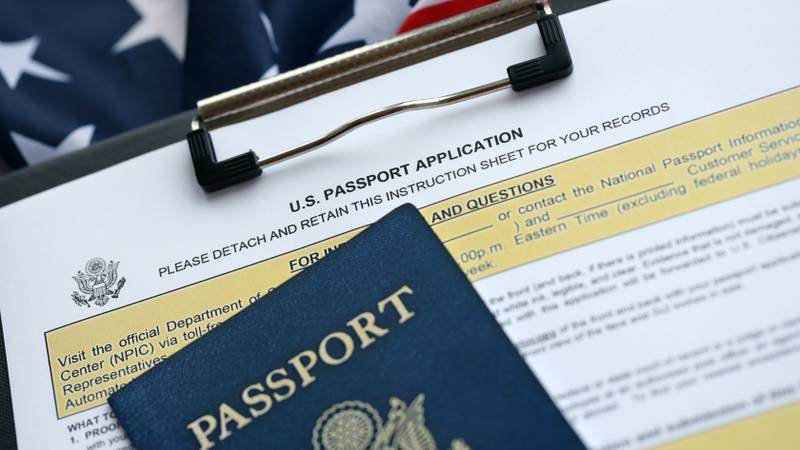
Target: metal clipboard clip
x,y
366,62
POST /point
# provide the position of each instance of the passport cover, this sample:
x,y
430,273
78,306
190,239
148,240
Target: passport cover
x,y
383,344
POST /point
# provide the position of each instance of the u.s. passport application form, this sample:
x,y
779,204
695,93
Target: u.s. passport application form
x,y
635,228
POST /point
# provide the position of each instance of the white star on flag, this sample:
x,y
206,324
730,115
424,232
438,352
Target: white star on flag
x,y
16,58
273,69
160,19
372,21
34,151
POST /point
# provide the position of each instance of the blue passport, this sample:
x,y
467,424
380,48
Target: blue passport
x,y
384,344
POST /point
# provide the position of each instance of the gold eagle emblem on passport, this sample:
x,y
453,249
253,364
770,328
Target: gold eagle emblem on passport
x,y
355,425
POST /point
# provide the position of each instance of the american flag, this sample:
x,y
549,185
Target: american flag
x,y
76,72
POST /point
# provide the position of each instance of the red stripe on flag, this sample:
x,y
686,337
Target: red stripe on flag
x,y
439,11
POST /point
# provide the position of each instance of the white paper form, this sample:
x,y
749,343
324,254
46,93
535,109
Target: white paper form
x,y
633,227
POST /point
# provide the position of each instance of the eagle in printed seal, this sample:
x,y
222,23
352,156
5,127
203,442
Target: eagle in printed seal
x,y
354,425
99,283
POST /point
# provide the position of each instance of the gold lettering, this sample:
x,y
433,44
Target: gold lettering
x,y
346,340
227,415
280,386
284,382
303,369
363,329
254,399
398,304
201,432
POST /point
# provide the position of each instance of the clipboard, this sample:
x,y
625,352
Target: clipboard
x,y
287,89
357,65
